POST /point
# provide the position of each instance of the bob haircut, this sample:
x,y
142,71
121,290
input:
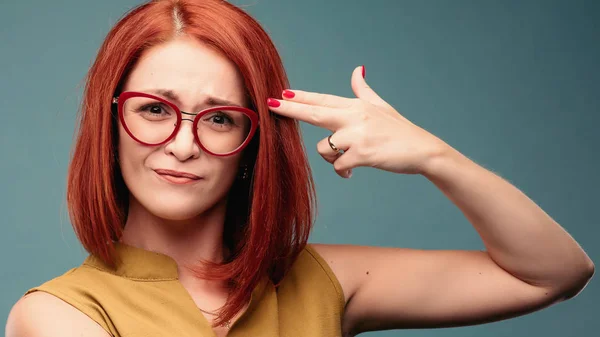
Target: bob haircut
x,y
269,216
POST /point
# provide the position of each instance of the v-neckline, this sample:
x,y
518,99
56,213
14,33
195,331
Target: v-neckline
x,y
144,265
206,325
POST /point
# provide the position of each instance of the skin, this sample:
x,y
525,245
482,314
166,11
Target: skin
x,y
384,288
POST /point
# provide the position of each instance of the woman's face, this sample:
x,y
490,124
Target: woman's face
x,y
192,73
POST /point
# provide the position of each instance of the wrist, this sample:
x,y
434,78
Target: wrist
x,y
439,160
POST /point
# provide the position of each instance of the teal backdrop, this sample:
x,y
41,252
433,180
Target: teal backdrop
x,y
514,85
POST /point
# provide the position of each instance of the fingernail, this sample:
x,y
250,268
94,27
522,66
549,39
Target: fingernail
x,y
349,174
288,94
364,71
273,103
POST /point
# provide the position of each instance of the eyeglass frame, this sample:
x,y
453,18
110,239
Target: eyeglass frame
x,y
252,115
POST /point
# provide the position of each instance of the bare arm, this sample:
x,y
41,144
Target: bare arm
x,y
40,314
519,236
530,262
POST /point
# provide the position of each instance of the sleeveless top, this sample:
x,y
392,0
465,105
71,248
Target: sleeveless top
x,y
143,297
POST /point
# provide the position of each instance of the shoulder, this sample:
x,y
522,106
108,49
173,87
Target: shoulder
x,y
40,314
63,306
311,278
339,258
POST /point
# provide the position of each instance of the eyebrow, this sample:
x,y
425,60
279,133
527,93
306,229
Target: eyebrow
x,y
210,100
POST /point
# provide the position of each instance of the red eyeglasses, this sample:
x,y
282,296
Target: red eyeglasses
x,y
152,121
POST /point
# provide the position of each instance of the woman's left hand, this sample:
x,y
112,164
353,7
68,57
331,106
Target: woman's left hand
x,y
367,130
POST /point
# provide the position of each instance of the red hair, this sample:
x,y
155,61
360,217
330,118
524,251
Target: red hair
x,y
269,217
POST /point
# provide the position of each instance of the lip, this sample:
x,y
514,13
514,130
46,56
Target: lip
x,y
177,177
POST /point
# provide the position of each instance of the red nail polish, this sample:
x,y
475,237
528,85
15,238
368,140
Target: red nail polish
x,y
273,103
288,94
363,71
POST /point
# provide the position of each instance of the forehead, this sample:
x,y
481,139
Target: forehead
x,y
189,68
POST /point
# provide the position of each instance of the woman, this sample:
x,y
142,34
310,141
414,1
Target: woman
x,y
190,189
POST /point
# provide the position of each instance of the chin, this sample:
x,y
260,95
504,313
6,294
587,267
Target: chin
x,y
175,215
176,211
179,208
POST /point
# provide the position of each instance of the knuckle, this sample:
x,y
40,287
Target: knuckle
x,y
342,164
358,116
361,132
337,165
363,146
361,136
316,115
364,115
321,149
328,159
320,99
362,151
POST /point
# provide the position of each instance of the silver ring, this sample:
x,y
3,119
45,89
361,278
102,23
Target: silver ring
x,y
333,147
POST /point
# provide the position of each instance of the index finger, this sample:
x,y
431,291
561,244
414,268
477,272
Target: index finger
x,y
315,98
325,117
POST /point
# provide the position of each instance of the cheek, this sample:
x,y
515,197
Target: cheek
x,y
132,156
229,167
223,173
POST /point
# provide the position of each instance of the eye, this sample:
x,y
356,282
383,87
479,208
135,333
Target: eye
x,y
220,119
153,108
156,111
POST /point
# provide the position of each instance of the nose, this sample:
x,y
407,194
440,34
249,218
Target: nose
x,y
183,145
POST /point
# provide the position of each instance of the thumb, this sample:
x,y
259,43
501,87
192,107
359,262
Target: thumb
x,y
362,90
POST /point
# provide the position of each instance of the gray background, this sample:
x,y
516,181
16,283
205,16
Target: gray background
x,y
511,84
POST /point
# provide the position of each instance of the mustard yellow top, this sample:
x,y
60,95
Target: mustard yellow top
x,y
143,297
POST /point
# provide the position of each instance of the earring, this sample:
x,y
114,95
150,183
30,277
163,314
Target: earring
x,y
244,173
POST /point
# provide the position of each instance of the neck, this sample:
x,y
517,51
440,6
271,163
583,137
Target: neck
x,y
186,241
